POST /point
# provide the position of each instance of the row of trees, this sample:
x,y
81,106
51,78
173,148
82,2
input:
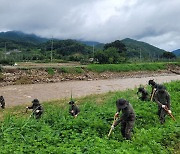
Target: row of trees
x,y
116,52
71,50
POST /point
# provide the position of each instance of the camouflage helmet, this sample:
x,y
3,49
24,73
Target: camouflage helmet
x,y
35,101
152,82
122,103
71,102
140,89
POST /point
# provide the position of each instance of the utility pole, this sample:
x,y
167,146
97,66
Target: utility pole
x,y
51,48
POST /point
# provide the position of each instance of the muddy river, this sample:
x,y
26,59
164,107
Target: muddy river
x,y
20,94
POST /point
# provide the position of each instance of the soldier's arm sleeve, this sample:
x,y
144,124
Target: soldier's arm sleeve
x,y
76,110
155,97
30,107
168,101
41,109
118,110
117,122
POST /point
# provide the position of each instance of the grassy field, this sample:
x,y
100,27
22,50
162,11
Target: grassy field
x,y
130,67
58,132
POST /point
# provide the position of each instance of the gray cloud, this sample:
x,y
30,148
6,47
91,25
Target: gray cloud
x,y
156,22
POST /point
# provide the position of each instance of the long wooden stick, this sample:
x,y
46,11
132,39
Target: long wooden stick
x,y
166,109
111,127
153,94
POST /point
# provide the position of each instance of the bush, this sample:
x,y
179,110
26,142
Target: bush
x,y
50,71
7,62
78,70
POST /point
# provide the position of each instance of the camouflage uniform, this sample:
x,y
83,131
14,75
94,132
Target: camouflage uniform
x,y
2,101
127,118
163,97
37,108
144,94
73,109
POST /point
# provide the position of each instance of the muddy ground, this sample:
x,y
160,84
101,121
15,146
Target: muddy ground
x,y
23,94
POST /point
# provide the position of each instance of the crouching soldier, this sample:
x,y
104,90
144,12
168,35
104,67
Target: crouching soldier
x,y
127,118
144,94
162,98
2,101
73,109
154,86
37,108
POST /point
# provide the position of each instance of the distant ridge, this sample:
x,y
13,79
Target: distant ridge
x,y
176,52
134,48
22,37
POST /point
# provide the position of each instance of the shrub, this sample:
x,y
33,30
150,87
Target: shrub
x,y
50,71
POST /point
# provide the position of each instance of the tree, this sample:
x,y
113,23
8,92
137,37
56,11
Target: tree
x,y
116,44
168,55
109,56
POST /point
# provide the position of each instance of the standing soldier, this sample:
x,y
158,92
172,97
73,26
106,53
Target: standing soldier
x,y
127,118
153,85
162,98
2,101
144,94
37,108
73,109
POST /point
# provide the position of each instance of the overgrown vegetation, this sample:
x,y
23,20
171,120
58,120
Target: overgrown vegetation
x,y
58,132
70,70
128,67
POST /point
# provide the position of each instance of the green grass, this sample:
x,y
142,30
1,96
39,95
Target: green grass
x,y
128,67
58,132
50,71
76,70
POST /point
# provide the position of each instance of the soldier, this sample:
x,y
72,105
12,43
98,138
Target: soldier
x,y
2,101
144,94
73,109
154,85
127,119
37,108
162,98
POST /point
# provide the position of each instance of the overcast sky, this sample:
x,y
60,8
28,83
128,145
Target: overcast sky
x,y
153,21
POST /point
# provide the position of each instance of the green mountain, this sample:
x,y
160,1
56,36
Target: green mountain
x,y
20,40
22,37
135,48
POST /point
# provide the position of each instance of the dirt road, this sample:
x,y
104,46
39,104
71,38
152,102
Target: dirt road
x,y
20,94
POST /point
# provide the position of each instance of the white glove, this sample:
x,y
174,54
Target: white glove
x,y
26,107
37,111
169,111
117,114
72,111
163,106
112,126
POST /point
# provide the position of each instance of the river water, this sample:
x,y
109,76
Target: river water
x,y
21,94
